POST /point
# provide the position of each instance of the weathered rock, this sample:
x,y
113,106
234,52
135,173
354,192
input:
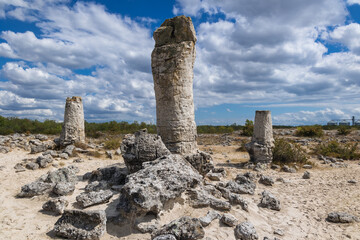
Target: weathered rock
x,y
245,231
32,166
64,188
38,148
204,196
183,228
35,188
44,161
145,227
165,237
201,161
93,198
262,141
237,199
66,174
69,150
162,180
56,205
229,219
210,216
307,166
19,167
97,186
4,149
76,224
73,129
113,175
306,175
288,169
266,180
109,154
243,184
341,217
63,155
269,201
172,62
142,147
220,204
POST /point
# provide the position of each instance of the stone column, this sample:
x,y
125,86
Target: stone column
x,y
262,142
172,62
73,129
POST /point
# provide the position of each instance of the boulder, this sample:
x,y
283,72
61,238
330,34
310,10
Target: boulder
x,y
69,149
182,228
93,198
229,219
32,165
341,217
243,184
162,180
77,224
269,201
113,175
44,161
64,188
245,231
201,161
56,205
35,188
142,147
266,180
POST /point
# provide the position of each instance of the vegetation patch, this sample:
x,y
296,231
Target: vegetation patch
x,y
248,129
288,153
344,130
338,150
95,154
309,131
112,144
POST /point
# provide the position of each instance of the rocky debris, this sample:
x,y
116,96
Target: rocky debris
x,y
64,188
165,237
220,205
35,188
182,228
147,227
38,148
47,182
56,205
260,167
172,62
269,201
78,160
245,231
275,166
210,216
162,180
214,176
19,167
77,224
229,219
306,175
262,141
96,186
109,154
279,232
63,155
41,137
73,129
32,166
243,184
44,161
341,217
201,161
236,199
142,147
288,169
113,175
352,181
307,166
69,150
4,149
88,199
266,180
204,196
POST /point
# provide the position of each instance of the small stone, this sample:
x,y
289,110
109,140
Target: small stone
x,y
341,217
56,205
78,160
269,201
44,161
352,181
210,216
94,198
109,154
165,237
69,150
306,175
246,231
279,232
307,166
266,180
96,186
288,169
220,205
214,176
64,155
229,219
32,166
64,188
275,167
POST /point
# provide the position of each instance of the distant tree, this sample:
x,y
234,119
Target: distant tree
x,y
248,128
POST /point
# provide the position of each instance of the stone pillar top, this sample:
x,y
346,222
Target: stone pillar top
x,y
74,99
175,30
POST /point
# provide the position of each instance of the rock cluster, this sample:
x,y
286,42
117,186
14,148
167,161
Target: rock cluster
x,y
73,129
172,62
262,142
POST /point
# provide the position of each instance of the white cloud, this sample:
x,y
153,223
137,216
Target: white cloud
x,y
352,2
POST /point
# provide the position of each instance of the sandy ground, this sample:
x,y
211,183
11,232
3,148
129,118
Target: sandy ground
x,y
305,203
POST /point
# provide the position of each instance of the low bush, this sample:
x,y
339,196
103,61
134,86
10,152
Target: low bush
x,y
338,150
344,130
248,128
309,131
94,154
288,153
242,146
112,144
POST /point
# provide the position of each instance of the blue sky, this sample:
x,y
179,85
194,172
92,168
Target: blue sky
x,y
299,59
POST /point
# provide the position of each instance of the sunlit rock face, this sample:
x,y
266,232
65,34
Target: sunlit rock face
x,y
172,63
73,129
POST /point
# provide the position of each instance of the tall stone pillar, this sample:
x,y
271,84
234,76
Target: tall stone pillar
x,y
262,142
172,62
73,129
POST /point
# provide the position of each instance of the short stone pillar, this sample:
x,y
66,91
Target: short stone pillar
x,y
172,62
262,142
73,128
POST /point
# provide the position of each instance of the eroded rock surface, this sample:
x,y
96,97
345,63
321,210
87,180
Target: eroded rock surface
x,y
56,205
341,217
269,201
88,199
245,231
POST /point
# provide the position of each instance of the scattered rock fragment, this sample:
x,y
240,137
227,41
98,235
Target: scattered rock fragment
x,y
341,217
288,169
64,188
306,175
165,237
246,231
229,219
269,201
93,198
56,205
266,180
210,216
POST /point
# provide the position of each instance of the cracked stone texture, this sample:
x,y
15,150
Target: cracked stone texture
x,y
262,142
142,147
73,129
172,62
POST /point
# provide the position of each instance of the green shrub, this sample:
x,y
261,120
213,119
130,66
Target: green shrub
x,y
113,143
242,146
344,130
248,128
338,150
309,131
288,153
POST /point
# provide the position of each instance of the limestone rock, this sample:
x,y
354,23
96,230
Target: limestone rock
x,y
56,205
266,180
165,237
77,224
32,166
183,228
73,129
142,147
64,188
201,161
96,186
229,219
162,180
35,188
341,217
113,175
210,216
306,175
44,161
245,231
288,169
269,201
94,198
69,150
172,62
262,142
